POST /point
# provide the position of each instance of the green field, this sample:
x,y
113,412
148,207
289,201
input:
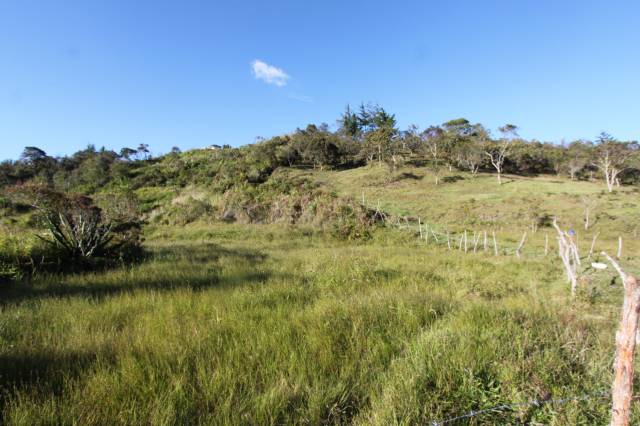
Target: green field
x,y
279,324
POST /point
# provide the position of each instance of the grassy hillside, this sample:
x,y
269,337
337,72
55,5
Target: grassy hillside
x,y
463,199
270,324
478,203
279,323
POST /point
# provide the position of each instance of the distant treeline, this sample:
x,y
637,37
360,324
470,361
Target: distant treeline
x,y
368,135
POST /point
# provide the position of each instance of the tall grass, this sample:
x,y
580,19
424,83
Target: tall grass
x,y
230,324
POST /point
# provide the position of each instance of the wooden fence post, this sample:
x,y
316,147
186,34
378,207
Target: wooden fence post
x,y
495,244
476,240
593,244
546,244
524,236
465,240
619,248
622,388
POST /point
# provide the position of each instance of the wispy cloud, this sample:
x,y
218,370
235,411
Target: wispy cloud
x,y
301,98
269,74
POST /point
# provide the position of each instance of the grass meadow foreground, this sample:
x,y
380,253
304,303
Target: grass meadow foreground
x,y
269,324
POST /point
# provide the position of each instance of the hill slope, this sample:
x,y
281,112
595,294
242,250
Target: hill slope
x,y
280,322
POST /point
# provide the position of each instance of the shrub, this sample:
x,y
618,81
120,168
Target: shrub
x,y
80,234
352,222
21,255
188,211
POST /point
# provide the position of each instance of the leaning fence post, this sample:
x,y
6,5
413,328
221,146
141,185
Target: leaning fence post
x,y
476,240
521,244
420,227
622,389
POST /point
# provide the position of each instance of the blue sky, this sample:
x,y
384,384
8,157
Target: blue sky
x,y
179,73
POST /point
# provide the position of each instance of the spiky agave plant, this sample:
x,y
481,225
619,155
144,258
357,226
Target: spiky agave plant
x,y
78,228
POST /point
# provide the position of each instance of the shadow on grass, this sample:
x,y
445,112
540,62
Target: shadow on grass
x,y
408,175
205,253
48,372
452,179
195,267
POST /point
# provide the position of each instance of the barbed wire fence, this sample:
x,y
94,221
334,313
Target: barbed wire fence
x,y
503,408
626,337
484,240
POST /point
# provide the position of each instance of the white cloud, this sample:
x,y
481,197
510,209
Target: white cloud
x,y
268,73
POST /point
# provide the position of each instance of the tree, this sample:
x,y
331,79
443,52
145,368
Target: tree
x,y
143,151
378,143
287,155
470,151
7,172
379,129
127,153
577,157
471,156
497,151
33,155
612,156
348,124
434,143
317,146
410,139
456,133
38,164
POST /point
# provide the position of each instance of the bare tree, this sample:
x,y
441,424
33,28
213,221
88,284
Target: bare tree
x,y
612,158
497,152
589,204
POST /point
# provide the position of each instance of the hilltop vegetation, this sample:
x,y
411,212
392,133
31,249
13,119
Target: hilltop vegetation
x,y
269,284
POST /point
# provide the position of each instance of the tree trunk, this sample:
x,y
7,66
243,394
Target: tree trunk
x,y
609,179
